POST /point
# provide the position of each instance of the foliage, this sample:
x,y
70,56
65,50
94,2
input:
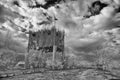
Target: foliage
x,y
8,58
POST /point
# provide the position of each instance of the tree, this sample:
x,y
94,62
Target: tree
x,y
106,54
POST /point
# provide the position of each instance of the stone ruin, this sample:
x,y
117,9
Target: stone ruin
x,y
49,43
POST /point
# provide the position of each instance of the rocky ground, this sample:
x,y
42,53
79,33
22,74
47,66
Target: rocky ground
x,y
89,74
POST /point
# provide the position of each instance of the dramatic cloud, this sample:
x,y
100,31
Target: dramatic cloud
x,y
104,21
82,34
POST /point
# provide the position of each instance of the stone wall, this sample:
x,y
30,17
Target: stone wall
x,y
44,41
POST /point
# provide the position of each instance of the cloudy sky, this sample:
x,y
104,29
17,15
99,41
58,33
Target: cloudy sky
x,y
82,34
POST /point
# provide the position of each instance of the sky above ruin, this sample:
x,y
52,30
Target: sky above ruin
x,y
82,34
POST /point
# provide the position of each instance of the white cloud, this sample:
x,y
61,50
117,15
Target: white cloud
x,y
7,41
85,44
79,32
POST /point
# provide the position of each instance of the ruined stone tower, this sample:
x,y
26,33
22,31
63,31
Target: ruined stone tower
x,y
49,43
